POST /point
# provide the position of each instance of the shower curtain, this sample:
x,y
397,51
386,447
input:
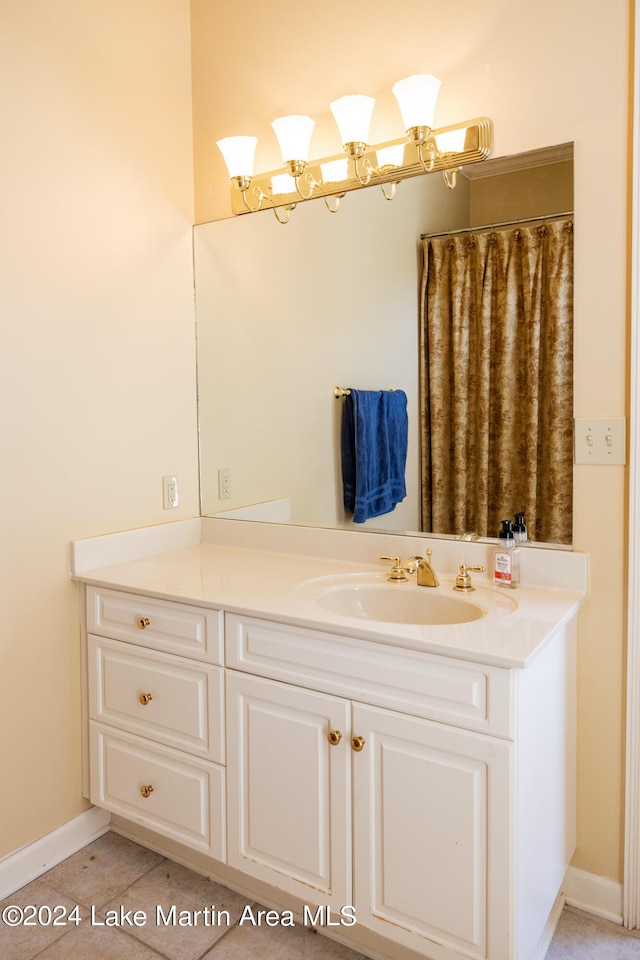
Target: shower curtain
x,y
496,380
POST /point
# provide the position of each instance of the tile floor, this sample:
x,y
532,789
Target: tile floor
x,y
116,879
113,874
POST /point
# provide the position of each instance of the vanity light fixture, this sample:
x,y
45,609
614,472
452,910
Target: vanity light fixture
x,y
422,150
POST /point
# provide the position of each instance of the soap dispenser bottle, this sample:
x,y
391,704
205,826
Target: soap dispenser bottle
x,y
520,533
506,559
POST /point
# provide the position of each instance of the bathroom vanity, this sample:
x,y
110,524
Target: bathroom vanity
x,y
246,713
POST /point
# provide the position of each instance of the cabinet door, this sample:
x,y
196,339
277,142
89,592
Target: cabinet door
x,y
289,801
432,835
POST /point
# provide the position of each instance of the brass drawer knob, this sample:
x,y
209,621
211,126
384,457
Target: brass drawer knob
x,y
143,622
146,790
145,698
334,737
357,743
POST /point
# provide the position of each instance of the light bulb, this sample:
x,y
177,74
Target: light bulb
x,y
283,183
452,141
391,156
335,170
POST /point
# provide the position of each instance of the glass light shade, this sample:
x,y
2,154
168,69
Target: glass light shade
x,y
417,96
294,136
238,153
391,156
353,116
335,170
283,183
452,141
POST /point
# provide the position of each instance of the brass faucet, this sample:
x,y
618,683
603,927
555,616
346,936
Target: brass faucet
x,y
426,574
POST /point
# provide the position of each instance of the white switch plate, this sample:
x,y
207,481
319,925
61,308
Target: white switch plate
x,y
600,440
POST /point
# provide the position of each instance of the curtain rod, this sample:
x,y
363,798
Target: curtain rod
x,y
495,226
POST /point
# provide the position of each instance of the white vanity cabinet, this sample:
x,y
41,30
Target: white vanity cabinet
x,y
433,794
342,803
422,805
156,727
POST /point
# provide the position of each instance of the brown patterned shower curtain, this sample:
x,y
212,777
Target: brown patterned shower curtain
x,y
496,380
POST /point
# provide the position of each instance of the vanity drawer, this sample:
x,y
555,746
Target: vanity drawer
x,y
161,624
473,696
169,699
177,796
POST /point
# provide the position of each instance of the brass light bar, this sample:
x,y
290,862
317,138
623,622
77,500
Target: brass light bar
x,y
259,193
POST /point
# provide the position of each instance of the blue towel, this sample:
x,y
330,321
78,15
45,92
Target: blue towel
x,y
374,451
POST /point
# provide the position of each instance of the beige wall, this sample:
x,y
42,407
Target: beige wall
x,y
531,69
97,358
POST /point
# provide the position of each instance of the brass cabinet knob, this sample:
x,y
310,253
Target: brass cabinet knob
x,y
334,737
145,698
357,743
146,790
143,622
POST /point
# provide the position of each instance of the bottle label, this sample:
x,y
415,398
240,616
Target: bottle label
x,y
503,568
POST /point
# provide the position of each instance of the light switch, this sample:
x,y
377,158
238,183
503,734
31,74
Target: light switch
x,y
600,440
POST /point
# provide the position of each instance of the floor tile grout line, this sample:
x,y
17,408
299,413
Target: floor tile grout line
x,y
118,893
234,926
131,936
34,956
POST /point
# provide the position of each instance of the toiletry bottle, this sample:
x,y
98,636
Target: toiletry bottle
x,y
520,533
506,559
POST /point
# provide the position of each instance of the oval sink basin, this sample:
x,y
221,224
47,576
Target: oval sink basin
x,y
395,603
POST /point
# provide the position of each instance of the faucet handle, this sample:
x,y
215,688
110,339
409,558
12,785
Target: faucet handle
x,y
463,580
397,574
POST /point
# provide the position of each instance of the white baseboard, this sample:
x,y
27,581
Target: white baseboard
x,y
29,862
594,894
550,928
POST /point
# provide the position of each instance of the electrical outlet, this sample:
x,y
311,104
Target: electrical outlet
x,y
224,483
170,496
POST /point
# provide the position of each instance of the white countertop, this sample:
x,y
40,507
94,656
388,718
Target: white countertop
x,y
273,585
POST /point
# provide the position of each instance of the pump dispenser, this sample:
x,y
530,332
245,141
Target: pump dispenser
x,y
506,559
520,532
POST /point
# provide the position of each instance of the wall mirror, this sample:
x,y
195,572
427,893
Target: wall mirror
x,y
287,313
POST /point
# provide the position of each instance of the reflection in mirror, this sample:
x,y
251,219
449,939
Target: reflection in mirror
x,y
496,384
287,313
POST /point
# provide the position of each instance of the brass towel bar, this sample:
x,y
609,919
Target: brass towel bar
x,y
340,392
